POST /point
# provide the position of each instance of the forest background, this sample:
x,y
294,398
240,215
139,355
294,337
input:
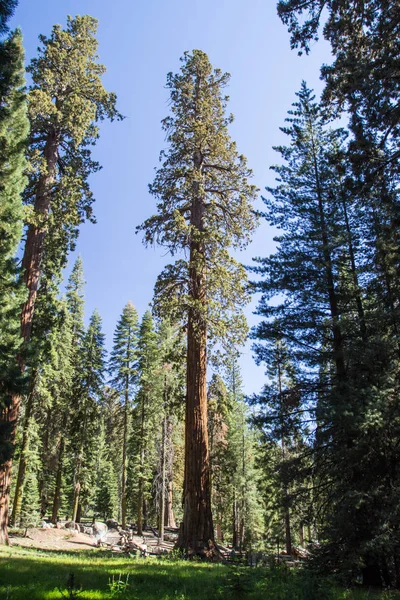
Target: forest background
x,y
140,43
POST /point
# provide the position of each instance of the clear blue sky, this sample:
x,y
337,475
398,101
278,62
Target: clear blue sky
x,y
140,42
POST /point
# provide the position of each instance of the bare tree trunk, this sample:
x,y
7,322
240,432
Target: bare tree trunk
x,y
31,265
197,531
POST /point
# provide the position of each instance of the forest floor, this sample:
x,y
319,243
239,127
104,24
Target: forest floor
x,y
28,573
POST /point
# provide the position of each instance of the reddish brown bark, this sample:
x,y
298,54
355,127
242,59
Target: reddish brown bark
x,y
31,264
197,531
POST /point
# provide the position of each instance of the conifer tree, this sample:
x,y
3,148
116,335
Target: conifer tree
x,y
124,370
85,410
66,100
146,415
75,333
204,208
7,8
14,129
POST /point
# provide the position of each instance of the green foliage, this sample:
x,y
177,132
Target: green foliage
x,y
7,8
14,130
66,101
201,165
123,359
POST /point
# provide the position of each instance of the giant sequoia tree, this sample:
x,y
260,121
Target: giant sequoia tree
x,y
66,100
204,207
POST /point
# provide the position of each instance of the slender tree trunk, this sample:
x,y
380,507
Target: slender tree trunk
x,y
124,460
301,535
197,530
31,265
163,460
141,476
234,522
75,502
19,486
57,492
145,513
169,518
169,512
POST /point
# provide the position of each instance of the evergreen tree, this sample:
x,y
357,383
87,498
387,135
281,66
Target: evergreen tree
x,y
204,208
66,100
14,129
339,322
85,411
74,334
7,8
106,501
123,367
146,416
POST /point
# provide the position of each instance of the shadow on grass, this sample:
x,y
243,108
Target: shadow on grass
x,y
42,574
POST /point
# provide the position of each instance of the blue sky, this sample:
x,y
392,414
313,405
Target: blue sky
x,y
140,42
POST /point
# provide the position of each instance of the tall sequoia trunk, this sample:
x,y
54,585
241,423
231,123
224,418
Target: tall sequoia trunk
x,y
197,532
31,266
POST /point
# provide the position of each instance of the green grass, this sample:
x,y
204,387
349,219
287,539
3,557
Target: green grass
x,y
27,574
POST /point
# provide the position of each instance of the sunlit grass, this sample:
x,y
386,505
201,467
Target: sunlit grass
x,y
28,574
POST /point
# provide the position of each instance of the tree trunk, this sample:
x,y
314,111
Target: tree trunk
x,y
288,533
141,475
31,264
75,502
57,492
234,522
163,460
124,460
19,487
169,518
197,532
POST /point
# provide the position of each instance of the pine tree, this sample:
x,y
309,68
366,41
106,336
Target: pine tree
x,y
7,8
74,334
14,130
340,323
124,369
85,410
146,417
204,208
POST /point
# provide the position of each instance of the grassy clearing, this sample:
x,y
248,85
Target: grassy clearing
x,y
27,574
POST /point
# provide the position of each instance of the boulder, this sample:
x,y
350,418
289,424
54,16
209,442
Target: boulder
x,y
112,524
